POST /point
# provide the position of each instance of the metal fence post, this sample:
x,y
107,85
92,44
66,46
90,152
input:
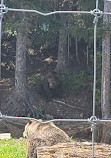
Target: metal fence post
x,y
1,17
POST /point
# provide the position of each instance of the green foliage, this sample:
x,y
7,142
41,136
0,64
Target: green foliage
x,y
35,78
13,148
73,82
81,25
45,38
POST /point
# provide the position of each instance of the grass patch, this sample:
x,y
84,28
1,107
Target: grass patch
x,y
13,148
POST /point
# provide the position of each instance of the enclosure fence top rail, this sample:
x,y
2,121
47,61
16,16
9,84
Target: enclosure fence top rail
x,y
89,120
6,9
95,11
92,12
4,117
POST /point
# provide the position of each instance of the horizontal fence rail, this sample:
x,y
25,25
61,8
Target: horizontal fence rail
x,y
43,122
90,120
92,12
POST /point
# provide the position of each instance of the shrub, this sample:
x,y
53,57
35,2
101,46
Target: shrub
x,y
72,82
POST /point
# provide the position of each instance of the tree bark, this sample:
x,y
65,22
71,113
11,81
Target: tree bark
x,y
62,60
20,71
21,102
105,86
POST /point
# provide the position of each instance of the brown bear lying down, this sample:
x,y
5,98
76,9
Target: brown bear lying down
x,y
43,135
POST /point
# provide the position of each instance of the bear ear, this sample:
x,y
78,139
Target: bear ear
x,y
29,121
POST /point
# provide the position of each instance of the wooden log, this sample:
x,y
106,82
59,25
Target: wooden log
x,y
74,150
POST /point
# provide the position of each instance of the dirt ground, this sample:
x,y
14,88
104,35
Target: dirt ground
x,y
69,106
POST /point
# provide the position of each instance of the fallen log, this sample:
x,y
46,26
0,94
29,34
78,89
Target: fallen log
x,y
74,150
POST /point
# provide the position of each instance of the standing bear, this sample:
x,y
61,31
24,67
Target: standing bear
x,y
43,135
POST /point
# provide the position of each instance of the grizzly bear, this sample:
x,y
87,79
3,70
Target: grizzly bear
x,y
51,86
43,135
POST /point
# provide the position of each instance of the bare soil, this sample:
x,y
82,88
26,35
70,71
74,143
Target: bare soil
x,y
69,106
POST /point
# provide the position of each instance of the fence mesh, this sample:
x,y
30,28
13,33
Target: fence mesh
x,y
97,14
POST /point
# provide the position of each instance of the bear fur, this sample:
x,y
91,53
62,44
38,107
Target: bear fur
x,y
43,135
51,86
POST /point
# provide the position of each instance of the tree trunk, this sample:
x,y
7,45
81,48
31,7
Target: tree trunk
x,y
105,86
20,71
21,102
62,60
76,45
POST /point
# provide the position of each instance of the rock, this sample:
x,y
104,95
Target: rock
x,y
5,136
